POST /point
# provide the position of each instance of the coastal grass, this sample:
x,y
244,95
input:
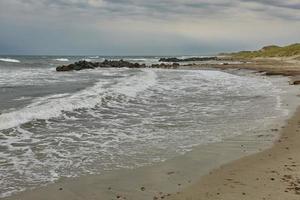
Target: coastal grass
x,y
271,51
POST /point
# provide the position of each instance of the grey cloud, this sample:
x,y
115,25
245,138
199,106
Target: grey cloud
x,y
166,9
138,7
290,4
286,10
144,26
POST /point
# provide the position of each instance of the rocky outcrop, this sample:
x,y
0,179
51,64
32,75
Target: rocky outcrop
x,y
77,66
81,65
193,59
165,66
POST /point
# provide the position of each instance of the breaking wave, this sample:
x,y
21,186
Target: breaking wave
x,y
9,60
54,105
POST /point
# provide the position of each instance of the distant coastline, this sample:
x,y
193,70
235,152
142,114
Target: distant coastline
x,y
270,60
270,51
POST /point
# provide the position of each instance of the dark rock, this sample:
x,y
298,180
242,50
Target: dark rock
x,y
64,68
187,59
80,65
271,73
295,81
171,172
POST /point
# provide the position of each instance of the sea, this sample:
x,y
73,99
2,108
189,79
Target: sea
x,y
70,124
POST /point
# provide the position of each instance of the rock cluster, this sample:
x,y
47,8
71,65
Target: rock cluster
x,y
80,65
193,59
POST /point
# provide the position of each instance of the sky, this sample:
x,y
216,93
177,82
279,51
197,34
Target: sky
x,y
145,27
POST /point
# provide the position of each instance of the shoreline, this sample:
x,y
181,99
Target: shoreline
x,y
267,66
160,180
270,174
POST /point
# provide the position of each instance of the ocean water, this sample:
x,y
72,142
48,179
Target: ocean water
x,y
67,124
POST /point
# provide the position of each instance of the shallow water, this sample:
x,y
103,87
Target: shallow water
x,y
69,124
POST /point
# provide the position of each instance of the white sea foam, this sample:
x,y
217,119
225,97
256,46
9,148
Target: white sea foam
x,y
53,105
62,59
138,59
87,59
22,98
130,87
9,60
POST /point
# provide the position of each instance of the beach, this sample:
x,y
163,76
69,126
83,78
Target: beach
x,y
203,172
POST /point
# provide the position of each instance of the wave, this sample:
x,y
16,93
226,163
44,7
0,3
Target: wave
x,y
9,60
22,98
138,59
54,105
86,59
62,59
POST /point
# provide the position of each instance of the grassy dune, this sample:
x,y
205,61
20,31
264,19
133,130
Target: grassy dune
x,y
271,51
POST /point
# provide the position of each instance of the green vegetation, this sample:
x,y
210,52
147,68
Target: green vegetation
x,y
271,51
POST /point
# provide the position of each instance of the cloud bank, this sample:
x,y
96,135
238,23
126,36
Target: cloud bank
x,y
127,27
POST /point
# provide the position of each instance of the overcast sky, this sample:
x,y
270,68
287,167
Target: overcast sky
x,y
145,27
